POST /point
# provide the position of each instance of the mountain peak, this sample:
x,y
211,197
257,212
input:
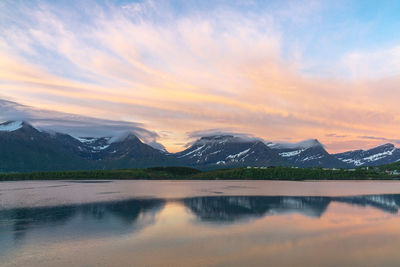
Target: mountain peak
x,y
224,138
387,145
123,138
302,144
309,143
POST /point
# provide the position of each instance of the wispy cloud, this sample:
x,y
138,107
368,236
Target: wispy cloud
x,y
378,138
375,64
200,66
336,135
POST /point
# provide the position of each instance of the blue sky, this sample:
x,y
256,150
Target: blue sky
x,y
321,31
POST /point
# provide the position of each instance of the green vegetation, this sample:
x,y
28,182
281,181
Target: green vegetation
x,y
184,173
295,174
149,173
391,167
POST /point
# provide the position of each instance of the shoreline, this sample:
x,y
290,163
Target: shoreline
x,y
20,194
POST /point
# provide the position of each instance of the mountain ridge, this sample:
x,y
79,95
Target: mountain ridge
x,y
221,151
26,148
380,155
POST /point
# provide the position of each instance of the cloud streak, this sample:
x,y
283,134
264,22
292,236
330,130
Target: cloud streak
x,y
397,141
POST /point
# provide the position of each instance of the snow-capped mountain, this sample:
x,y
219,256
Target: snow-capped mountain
x,y
384,154
222,151
25,148
129,151
308,153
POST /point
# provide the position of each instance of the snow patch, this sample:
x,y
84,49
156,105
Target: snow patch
x,y
193,151
238,155
216,152
358,160
98,148
91,143
313,157
379,156
86,140
11,126
291,153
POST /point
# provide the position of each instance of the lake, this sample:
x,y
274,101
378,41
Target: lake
x,y
199,223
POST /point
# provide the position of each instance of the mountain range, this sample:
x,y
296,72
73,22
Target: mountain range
x,y
25,148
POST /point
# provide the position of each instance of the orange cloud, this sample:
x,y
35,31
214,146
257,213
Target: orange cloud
x,y
191,74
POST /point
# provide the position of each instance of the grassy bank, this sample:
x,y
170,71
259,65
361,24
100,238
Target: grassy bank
x,y
180,173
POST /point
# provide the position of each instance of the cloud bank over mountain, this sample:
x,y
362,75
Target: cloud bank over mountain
x,y
75,125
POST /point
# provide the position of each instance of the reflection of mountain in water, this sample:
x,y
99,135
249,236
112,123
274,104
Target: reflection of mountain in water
x,y
234,208
225,208
123,217
386,203
87,219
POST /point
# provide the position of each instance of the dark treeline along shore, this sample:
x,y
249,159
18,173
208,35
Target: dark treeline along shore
x,y
385,172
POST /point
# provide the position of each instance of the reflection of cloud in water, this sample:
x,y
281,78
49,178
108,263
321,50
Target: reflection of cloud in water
x,y
229,209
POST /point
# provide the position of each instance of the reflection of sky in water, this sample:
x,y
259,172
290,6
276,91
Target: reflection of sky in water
x,y
219,230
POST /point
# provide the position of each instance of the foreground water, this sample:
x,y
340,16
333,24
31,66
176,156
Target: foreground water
x,y
214,223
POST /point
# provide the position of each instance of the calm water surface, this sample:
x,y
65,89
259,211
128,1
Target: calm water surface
x,y
208,223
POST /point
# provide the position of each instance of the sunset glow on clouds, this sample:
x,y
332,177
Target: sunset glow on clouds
x,y
277,70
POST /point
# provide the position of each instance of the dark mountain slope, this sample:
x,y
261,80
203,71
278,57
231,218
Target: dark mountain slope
x,y
308,153
27,149
226,151
380,155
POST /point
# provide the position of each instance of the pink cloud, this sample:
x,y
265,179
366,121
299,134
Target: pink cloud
x,y
220,70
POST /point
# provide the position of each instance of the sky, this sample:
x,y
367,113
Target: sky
x,y
278,70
